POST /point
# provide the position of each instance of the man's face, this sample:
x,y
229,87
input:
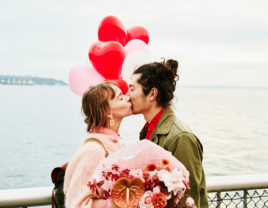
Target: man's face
x,y
138,99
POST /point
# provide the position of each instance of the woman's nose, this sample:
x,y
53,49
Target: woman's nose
x,y
127,98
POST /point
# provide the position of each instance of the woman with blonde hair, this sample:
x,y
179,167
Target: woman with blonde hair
x,y
104,107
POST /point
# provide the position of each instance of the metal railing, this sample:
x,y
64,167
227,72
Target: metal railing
x,y
223,191
243,191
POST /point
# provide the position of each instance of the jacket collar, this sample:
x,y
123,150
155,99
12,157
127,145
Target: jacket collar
x,y
165,121
163,126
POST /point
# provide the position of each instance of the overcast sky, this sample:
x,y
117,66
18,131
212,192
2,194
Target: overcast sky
x,y
216,42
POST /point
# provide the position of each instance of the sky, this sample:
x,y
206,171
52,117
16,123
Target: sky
x,y
217,43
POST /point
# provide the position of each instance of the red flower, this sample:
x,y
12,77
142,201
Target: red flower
x,y
165,162
151,167
115,167
187,184
159,200
155,180
146,176
94,186
115,177
125,173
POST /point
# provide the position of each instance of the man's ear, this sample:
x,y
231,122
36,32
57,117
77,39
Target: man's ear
x,y
153,94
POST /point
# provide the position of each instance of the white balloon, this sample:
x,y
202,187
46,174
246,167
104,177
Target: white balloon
x,y
133,61
137,45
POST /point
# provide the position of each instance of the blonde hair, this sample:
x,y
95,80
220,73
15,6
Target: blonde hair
x,y
95,104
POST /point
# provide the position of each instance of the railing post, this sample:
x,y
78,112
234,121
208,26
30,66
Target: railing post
x,y
245,198
218,199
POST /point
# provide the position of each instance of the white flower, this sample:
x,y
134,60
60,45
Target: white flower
x,y
173,181
168,196
146,200
152,173
137,173
190,202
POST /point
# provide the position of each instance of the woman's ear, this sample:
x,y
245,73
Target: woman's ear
x,y
110,115
153,94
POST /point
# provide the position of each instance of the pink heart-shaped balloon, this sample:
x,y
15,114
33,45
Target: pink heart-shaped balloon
x,y
112,29
107,58
81,77
138,32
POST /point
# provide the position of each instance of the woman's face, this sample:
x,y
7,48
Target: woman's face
x,y
120,105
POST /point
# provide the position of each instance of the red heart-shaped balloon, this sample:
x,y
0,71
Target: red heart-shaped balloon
x,y
107,58
112,29
138,32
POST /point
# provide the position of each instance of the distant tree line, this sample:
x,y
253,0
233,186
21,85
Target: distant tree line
x,y
25,79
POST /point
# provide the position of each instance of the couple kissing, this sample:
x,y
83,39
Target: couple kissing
x,y
151,91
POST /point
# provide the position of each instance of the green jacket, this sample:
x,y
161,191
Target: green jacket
x,y
175,136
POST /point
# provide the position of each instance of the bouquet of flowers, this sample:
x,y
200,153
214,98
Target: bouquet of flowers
x,y
148,186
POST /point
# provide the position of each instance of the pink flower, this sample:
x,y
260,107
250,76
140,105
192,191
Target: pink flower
x,y
173,181
108,185
178,196
190,202
159,173
185,174
176,176
137,173
156,189
146,200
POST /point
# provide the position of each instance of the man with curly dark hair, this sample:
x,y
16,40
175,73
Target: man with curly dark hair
x,y
151,91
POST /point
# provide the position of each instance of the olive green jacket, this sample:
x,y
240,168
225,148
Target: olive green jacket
x,y
175,136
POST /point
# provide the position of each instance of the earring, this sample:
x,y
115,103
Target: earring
x,y
111,122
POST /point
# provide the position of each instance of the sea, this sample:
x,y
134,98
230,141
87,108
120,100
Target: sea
x,y
41,127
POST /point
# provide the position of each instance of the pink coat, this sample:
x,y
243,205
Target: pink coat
x,y
81,168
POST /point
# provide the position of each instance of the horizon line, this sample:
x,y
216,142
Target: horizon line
x,y
230,87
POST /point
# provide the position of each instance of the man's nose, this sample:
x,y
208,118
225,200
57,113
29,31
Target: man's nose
x,y
128,93
127,97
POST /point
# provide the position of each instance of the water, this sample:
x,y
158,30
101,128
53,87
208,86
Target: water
x,y
41,127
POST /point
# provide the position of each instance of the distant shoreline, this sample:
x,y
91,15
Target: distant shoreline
x,y
178,87
29,80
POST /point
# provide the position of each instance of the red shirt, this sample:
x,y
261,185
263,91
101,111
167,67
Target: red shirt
x,y
149,128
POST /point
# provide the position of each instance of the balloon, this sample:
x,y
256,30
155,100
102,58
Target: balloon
x,y
138,32
81,77
112,29
88,62
135,45
107,58
121,84
133,61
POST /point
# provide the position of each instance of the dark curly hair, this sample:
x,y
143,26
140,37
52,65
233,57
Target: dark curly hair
x,y
162,76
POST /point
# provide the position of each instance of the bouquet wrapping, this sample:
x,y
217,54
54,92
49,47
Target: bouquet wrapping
x,y
142,175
